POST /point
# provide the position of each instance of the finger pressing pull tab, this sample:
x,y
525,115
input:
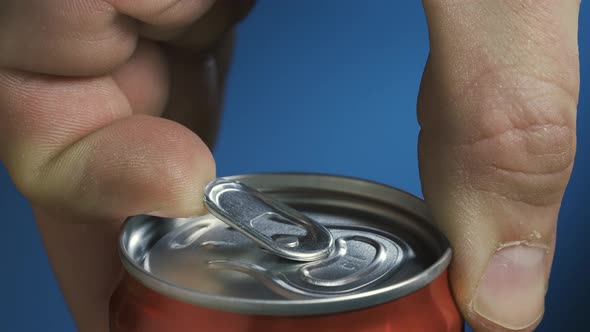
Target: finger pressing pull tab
x,y
275,226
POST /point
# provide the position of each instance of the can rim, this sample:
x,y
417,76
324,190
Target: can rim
x,y
308,306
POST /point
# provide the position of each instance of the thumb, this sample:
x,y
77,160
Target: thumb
x,y
497,110
95,155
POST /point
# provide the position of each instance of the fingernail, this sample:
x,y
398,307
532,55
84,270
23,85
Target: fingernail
x,y
511,292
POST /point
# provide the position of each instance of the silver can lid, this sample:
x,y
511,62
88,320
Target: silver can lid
x,y
297,244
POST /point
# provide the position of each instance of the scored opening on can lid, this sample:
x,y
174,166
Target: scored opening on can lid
x,y
369,244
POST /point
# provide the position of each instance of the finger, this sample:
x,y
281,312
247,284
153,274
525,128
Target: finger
x,y
91,156
171,14
497,112
144,80
177,83
64,37
194,23
87,163
90,38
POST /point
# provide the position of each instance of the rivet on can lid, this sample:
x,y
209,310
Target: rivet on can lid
x,y
273,225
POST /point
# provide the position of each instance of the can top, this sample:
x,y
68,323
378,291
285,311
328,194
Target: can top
x,y
297,244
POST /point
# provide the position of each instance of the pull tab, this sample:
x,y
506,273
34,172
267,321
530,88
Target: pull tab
x,y
246,209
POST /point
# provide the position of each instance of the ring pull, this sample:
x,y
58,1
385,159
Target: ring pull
x,y
275,226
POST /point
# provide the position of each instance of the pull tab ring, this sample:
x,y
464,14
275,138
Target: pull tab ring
x,y
241,206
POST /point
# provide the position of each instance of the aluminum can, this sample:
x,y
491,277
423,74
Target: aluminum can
x,y
288,252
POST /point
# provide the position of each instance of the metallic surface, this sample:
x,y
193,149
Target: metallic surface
x,y
262,219
385,250
205,255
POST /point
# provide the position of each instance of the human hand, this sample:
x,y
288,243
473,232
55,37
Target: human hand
x,y
498,96
99,105
497,109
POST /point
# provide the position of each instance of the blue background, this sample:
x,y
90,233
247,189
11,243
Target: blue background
x,y
322,86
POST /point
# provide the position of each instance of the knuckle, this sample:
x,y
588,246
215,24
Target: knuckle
x,y
22,160
37,136
531,165
25,176
518,140
41,180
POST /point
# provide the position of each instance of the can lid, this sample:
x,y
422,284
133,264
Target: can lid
x,y
381,246
249,211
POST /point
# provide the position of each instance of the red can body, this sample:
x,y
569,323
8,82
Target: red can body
x,y
136,308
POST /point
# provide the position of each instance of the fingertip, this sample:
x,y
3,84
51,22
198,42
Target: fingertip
x,y
511,292
153,164
133,166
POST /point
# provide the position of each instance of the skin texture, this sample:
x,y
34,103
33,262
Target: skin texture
x,y
116,102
